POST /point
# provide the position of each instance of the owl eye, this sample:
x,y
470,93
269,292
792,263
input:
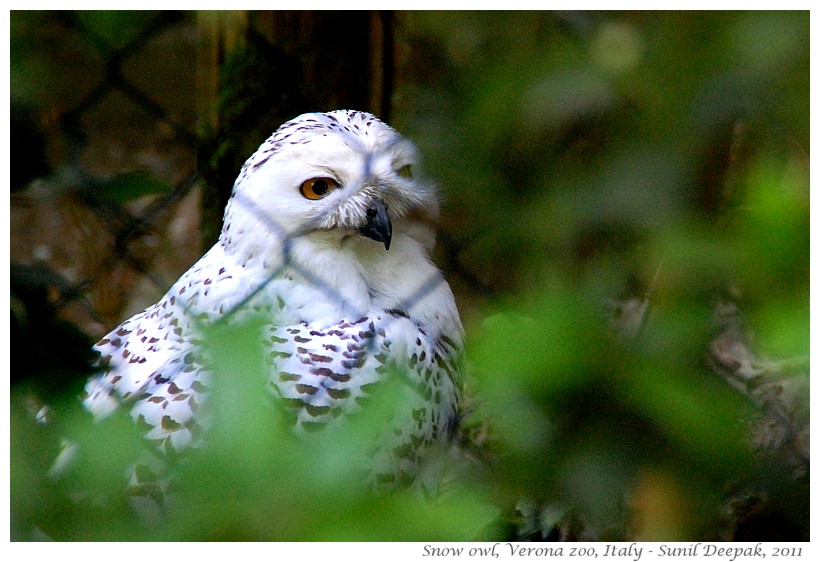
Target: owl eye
x,y
317,188
406,172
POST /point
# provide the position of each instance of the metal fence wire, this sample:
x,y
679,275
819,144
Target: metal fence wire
x,y
120,157
112,217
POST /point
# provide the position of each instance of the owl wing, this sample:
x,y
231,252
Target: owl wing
x,y
328,374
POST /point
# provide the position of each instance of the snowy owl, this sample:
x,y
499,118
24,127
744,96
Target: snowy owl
x,y
327,235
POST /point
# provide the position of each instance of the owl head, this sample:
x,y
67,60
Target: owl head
x,y
335,178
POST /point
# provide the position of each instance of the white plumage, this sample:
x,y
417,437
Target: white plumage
x,y
328,235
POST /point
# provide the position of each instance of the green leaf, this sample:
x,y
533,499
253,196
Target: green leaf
x,y
130,186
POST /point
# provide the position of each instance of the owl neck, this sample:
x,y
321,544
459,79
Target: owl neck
x,y
405,280
330,276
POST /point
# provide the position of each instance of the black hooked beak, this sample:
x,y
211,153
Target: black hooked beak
x,y
378,226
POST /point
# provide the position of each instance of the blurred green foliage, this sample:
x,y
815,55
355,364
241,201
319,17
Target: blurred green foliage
x,y
585,159
592,157
130,186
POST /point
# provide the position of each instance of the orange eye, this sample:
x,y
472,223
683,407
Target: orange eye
x,y
317,188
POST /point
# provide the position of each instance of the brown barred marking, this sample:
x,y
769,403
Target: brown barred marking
x,y
169,424
325,372
403,451
144,474
312,427
369,387
316,411
386,478
354,352
294,403
306,389
353,364
198,387
338,393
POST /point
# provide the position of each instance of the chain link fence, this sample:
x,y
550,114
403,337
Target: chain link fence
x,y
129,130
115,218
